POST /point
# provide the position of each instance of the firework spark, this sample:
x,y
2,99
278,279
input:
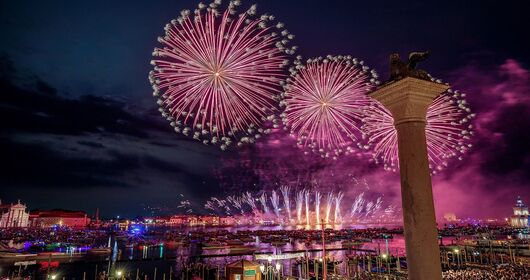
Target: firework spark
x,y
324,102
263,201
306,198
286,200
448,131
275,200
329,204
245,205
299,204
318,196
218,75
338,201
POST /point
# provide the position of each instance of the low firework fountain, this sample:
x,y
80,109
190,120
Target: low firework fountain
x,y
287,201
275,200
338,200
306,198
317,206
362,209
329,203
263,200
299,205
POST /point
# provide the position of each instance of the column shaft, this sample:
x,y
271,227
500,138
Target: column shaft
x,y
423,254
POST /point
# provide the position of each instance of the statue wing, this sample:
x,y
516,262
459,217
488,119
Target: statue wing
x,y
415,57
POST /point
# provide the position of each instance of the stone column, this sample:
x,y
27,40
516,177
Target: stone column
x,y
408,100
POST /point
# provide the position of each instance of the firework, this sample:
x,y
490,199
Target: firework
x,y
318,196
360,210
218,74
306,199
299,204
263,201
448,131
338,200
286,201
324,102
275,200
249,200
329,204
357,205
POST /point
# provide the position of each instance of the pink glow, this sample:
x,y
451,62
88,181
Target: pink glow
x,y
484,184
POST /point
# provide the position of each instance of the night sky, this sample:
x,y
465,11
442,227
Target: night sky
x,y
80,128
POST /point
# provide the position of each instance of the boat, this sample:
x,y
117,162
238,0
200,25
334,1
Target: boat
x,y
15,255
278,243
235,242
213,245
100,251
347,243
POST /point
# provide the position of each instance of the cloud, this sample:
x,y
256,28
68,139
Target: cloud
x,y
92,146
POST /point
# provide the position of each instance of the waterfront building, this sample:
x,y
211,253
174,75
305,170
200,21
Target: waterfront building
x,y
520,215
57,217
450,217
13,215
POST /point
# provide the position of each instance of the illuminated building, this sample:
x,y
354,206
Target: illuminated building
x,y
520,214
193,220
65,218
13,215
450,217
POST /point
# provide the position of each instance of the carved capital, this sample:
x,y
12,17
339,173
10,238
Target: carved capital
x,y
409,98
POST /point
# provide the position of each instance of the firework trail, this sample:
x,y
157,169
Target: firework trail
x,y
389,211
448,131
263,201
237,202
306,198
378,204
218,74
318,196
249,200
299,205
357,206
361,209
338,200
286,200
329,205
369,208
275,200
324,102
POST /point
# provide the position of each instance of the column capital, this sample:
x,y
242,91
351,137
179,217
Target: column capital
x,y
408,98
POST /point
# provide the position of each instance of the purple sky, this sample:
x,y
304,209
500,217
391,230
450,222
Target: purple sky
x,y
484,184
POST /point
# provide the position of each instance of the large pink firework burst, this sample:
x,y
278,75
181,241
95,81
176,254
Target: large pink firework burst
x,y
218,74
324,102
448,131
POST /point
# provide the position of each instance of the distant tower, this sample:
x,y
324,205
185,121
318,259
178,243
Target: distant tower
x,y
520,214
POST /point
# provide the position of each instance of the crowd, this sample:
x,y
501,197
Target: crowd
x,y
507,272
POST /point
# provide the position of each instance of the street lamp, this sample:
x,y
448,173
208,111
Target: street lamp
x,y
385,257
269,270
119,274
457,260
